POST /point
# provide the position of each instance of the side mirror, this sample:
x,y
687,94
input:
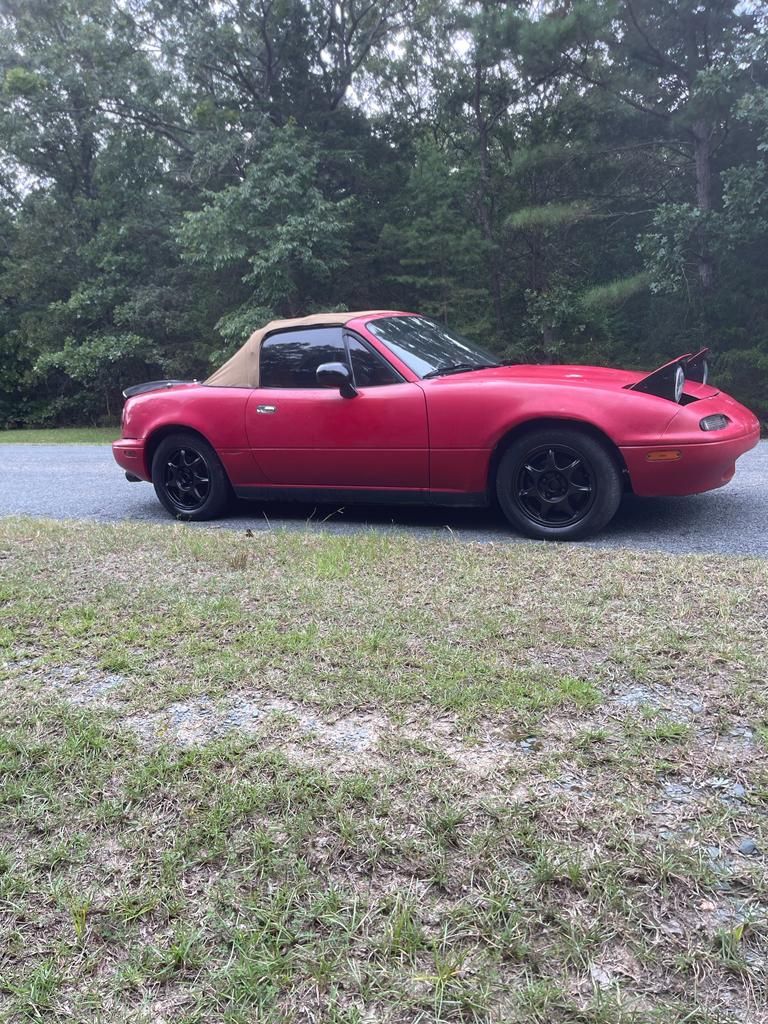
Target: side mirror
x,y
336,375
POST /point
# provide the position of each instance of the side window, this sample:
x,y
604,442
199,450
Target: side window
x,y
369,369
289,359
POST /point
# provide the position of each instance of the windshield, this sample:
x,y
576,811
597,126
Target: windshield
x,y
428,348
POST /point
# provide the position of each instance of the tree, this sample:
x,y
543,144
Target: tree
x,y
276,230
682,66
92,266
577,179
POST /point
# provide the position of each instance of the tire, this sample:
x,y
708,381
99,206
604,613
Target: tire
x,y
558,484
188,477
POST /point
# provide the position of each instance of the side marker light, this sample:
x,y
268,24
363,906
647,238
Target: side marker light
x,y
664,456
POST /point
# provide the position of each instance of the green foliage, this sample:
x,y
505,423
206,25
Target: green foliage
x,y
553,215
744,371
20,82
586,182
615,292
275,229
99,359
432,251
670,250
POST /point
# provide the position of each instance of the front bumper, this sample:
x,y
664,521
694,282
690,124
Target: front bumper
x,y
701,465
130,454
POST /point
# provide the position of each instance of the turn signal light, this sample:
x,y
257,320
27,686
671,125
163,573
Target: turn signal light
x,y
664,456
715,422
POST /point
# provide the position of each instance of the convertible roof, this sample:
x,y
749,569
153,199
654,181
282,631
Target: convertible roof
x,y
242,369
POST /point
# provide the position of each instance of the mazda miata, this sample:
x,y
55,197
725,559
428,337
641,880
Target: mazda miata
x,y
388,407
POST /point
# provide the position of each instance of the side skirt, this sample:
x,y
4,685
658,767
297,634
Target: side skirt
x,y
364,496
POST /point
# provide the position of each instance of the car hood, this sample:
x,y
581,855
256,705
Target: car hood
x,y
571,375
602,376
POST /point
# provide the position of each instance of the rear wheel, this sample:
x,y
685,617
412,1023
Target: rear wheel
x,y
558,484
188,477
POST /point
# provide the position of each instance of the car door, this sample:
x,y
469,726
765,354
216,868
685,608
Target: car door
x,y
305,435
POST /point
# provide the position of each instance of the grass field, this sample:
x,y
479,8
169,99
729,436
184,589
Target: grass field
x,y
60,435
303,777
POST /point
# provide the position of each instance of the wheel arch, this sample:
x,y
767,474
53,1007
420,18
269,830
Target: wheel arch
x,y
161,432
553,422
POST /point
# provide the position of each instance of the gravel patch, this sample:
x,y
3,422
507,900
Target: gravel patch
x,y
197,722
84,687
674,705
360,737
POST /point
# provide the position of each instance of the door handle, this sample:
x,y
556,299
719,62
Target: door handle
x,y
266,409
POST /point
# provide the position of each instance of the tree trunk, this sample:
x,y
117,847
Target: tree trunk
x,y
485,201
703,159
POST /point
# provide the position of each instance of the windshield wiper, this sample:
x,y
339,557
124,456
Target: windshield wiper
x,y
441,371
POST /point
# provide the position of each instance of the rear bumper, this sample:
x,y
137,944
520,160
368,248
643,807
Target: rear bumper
x,y
130,454
700,467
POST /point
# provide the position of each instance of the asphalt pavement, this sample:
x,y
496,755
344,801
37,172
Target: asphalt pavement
x,y
83,482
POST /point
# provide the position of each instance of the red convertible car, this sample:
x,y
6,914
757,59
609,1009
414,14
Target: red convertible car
x,y
391,407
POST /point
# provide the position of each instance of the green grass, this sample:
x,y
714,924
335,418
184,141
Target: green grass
x,y
60,435
301,776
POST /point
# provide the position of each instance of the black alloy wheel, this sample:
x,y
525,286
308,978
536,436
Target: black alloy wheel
x,y
188,477
558,484
555,486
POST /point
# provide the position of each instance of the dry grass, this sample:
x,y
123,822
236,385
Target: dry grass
x,y
300,777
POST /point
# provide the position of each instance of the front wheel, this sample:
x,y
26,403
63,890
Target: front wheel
x,y
188,477
558,484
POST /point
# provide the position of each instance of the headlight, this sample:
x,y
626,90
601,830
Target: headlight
x,y
679,383
715,422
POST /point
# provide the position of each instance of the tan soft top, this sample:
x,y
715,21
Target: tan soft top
x,y
242,369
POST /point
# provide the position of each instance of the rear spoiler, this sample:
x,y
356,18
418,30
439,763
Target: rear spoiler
x,y
669,380
151,385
